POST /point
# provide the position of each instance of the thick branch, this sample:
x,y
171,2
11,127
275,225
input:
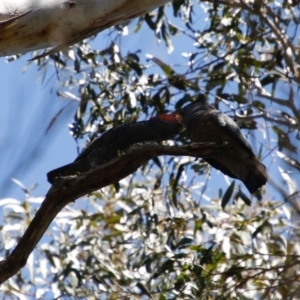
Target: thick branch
x,y
68,189
31,25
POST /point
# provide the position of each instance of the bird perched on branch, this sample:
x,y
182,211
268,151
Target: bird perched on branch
x,y
117,139
204,123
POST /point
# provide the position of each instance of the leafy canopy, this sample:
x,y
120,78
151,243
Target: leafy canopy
x,y
177,229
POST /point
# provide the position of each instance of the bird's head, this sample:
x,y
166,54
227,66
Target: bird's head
x,y
168,118
193,109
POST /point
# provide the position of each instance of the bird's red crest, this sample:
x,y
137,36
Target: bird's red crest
x,y
168,117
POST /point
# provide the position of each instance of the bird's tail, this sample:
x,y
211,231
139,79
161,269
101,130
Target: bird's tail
x,y
67,170
62,171
257,177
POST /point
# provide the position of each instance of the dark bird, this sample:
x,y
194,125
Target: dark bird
x,y
117,139
204,123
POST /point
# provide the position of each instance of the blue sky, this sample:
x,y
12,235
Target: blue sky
x,y
28,105
26,108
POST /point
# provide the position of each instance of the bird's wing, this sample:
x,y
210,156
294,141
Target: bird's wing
x,y
107,138
123,136
232,128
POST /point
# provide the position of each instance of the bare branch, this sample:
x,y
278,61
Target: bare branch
x,y
67,189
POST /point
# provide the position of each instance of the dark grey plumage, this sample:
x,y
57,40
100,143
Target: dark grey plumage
x,y
108,145
204,123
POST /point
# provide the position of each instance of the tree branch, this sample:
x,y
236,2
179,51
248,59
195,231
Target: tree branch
x,y
67,189
48,22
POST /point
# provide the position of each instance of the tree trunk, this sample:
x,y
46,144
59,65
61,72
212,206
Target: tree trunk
x,y
27,25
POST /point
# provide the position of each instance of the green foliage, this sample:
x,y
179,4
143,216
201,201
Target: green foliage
x,y
176,229
144,247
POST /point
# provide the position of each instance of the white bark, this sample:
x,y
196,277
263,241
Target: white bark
x,y
27,25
